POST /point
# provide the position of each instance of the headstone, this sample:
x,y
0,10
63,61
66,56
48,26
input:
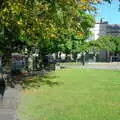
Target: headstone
x,y
30,63
63,56
51,62
18,61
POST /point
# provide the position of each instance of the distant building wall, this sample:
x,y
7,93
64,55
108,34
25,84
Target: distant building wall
x,y
103,28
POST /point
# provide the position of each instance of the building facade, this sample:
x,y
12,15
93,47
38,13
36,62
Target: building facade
x,y
103,28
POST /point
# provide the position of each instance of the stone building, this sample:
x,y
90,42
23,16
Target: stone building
x,y
103,28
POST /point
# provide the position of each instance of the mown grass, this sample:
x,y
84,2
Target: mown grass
x,y
83,94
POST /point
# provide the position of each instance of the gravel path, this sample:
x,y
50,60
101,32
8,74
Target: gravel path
x,y
110,66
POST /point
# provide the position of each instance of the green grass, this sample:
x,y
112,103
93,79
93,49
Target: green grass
x,y
83,94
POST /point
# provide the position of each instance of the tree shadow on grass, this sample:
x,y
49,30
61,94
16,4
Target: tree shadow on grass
x,y
38,81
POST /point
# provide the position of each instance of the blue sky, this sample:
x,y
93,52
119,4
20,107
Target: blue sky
x,y
109,12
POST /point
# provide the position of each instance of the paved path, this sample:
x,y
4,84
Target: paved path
x,y
110,66
9,105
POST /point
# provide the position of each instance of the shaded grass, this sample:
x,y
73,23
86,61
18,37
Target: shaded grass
x,y
85,94
37,81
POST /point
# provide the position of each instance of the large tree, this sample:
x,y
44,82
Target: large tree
x,y
47,24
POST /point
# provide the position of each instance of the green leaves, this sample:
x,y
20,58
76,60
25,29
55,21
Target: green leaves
x,y
109,43
48,24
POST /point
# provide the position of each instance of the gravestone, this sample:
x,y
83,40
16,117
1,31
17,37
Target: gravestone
x,y
30,63
18,62
50,62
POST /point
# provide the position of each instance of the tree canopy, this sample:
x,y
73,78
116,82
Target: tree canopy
x,y
50,25
109,43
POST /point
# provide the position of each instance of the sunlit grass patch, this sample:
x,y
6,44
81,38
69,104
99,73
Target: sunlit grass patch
x,y
83,94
